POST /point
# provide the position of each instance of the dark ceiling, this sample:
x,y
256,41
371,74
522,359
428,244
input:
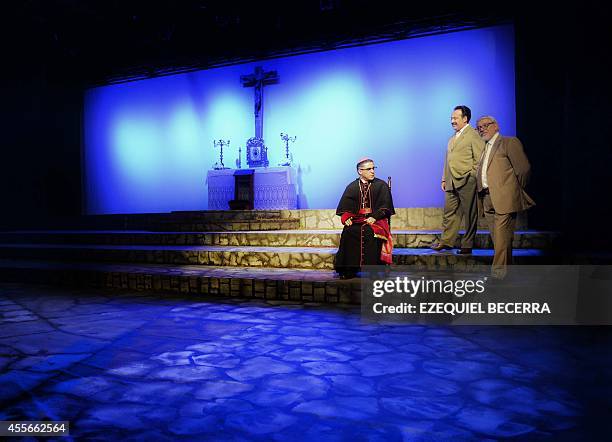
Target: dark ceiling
x,y
102,41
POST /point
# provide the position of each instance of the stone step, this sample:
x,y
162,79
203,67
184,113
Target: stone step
x,y
404,218
247,256
279,238
213,226
264,283
212,220
221,215
188,220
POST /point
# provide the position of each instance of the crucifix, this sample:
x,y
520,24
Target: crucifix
x,y
257,155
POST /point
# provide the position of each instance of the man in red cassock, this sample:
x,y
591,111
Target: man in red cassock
x,y
365,209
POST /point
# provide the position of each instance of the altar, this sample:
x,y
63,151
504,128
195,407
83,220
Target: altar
x,y
274,188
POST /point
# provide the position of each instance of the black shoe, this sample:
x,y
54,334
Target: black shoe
x,y
348,275
465,251
439,247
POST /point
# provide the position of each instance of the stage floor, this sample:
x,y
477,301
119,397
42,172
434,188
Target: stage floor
x,y
145,366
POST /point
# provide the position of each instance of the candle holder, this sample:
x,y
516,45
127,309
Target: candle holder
x,y
239,159
220,144
286,138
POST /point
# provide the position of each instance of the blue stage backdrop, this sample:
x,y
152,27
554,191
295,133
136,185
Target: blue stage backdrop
x,y
148,144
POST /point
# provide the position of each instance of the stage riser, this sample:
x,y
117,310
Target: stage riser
x,y
155,221
205,216
427,218
345,292
311,219
172,257
271,259
522,240
164,225
257,225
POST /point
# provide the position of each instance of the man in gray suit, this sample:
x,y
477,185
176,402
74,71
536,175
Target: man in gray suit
x,y
459,183
502,175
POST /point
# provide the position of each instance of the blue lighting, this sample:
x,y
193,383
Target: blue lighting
x,y
148,144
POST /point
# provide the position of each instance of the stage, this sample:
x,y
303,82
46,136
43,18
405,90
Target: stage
x,y
135,305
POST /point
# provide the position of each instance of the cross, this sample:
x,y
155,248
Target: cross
x,y
258,80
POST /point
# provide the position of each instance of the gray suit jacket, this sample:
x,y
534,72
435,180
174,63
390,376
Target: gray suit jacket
x,y
462,155
507,175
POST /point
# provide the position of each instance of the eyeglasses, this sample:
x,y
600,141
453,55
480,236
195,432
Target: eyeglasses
x,y
369,168
484,126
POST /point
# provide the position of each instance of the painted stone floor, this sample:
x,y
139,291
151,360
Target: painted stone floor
x,y
135,366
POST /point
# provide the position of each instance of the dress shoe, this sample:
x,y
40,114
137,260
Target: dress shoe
x,y
465,251
439,247
348,275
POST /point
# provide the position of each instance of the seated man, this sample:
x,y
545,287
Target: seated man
x,y
365,208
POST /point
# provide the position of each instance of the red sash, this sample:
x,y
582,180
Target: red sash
x,y
381,230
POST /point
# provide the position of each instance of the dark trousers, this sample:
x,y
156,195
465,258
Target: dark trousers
x,y
502,228
460,203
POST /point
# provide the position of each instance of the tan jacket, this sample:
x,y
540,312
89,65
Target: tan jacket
x,y
462,155
507,175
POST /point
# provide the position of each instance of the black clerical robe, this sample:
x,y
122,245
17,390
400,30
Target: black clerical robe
x,y
363,244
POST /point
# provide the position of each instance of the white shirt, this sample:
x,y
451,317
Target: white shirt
x,y
459,132
485,160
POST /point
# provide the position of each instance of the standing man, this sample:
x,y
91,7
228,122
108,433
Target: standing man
x,y
459,183
502,176
364,209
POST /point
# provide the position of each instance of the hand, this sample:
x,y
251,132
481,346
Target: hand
x,y
371,220
443,186
348,222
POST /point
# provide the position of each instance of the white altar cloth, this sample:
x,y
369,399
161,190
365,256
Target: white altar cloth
x,y
274,188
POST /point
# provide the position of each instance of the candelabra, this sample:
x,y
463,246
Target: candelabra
x,y
220,143
286,138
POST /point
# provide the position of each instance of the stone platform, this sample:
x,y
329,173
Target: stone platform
x,y
142,252
248,282
191,221
523,239
405,218
413,218
273,273
245,256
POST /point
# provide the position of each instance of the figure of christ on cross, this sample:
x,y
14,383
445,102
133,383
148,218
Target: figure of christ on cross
x,y
258,80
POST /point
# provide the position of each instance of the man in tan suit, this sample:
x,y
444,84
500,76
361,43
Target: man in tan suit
x,y
502,175
459,183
